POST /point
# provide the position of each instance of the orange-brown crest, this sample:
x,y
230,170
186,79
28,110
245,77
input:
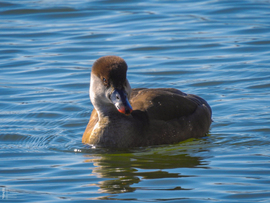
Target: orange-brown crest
x,y
111,69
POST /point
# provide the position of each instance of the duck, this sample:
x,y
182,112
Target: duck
x,y
125,118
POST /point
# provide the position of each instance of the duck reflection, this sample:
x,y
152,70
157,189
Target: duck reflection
x,y
127,169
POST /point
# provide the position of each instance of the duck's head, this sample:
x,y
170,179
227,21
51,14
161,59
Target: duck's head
x,y
109,85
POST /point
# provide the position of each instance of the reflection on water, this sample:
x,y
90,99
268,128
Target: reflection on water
x,y
126,170
153,169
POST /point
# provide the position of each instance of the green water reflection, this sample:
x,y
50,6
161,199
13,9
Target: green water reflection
x,y
124,171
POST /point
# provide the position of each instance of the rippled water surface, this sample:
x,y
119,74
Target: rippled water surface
x,y
217,49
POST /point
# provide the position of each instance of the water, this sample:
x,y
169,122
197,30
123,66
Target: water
x,y
217,49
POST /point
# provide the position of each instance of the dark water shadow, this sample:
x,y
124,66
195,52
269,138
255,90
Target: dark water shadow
x,y
122,171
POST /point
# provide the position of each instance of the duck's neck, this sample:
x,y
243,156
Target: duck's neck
x,y
113,129
106,111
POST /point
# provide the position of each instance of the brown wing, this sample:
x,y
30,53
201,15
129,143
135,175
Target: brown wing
x,y
92,122
174,116
164,103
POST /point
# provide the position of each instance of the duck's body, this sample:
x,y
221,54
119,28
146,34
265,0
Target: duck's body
x,y
124,118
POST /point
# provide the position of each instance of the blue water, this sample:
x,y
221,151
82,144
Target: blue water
x,y
217,49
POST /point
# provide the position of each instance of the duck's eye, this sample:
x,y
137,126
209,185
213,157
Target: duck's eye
x,y
105,81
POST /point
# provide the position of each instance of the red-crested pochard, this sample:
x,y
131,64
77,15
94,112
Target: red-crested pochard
x,y
123,117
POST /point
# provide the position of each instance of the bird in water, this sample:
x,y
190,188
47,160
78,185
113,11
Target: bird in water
x,y
123,117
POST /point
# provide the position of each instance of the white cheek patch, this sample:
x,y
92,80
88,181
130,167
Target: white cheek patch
x,y
97,90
